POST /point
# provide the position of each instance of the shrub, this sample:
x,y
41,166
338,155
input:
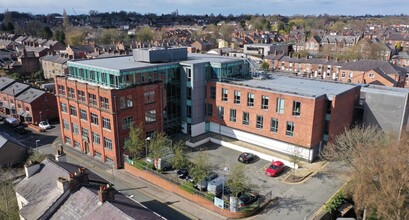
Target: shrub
x,y
335,201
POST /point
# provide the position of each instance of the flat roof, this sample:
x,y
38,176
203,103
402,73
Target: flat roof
x,y
126,63
297,86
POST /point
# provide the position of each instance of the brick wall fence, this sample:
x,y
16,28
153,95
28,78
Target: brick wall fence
x,y
154,179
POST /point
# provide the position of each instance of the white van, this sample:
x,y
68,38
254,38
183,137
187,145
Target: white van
x,y
10,121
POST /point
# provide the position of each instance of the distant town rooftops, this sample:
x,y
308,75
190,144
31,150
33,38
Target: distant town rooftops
x,y
297,86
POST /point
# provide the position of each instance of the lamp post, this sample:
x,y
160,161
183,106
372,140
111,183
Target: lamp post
x,y
37,143
146,149
41,117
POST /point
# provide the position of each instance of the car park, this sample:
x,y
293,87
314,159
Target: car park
x,y
20,130
182,173
247,157
274,168
44,125
202,184
12,122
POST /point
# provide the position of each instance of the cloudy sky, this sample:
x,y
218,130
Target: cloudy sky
x,y
201,7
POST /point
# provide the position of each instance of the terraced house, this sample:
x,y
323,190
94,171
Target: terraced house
x,y
165,89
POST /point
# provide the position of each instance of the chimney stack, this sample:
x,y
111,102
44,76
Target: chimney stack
x,y
31,168
78,178
106,193
62,184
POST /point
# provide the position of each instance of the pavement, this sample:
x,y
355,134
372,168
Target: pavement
x,y
187,208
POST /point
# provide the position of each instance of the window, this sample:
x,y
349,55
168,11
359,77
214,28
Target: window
x,y
296,108
63,108
280,106
209,110
343,74
67,140
274,125
77,144
83,114
127,122
250,99
92,99
149,97
73,111
371,75
290,129
329,107
189,111
104,102
188,93
264,102
150,116
61,90
233,115
351,74
106,123
224,94
259,121
246,118
221,112
28,109
71,93
107,143
125,102
84,132
75,129
236,97
212,92
81,95
66,125
95,138
94,119
189,74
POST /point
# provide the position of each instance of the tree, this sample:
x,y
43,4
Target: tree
x,y
379,170
75,37
66,20
179,160
8,202
200,167
135,144
144,35
237,181
59,35
158,147
295,158
265,65
45,33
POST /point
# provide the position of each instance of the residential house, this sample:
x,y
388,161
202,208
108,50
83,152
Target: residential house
x,y
54,64
222,43
78,52
202,46
313,44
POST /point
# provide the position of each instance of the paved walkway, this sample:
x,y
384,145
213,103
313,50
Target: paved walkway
x,y
182,205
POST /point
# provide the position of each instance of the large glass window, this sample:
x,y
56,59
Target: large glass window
x,y
233,115
236,97
246,118
264,102
61,90
280,106
290,129
127,122
250,99
274,125
212,92
259,121
296,108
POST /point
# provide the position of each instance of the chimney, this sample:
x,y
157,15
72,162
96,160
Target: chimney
x,y
298,56
31,168
106,192
78,178
276,52
62,184
60,156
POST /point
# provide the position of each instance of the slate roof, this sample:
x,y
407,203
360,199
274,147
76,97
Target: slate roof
x,y
30,95
332,39
366,65
55,59
15,89
40,190
5,81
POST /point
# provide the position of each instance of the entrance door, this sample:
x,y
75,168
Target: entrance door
x,y
86,147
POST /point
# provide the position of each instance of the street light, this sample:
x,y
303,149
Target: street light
x,y
37,143
146,149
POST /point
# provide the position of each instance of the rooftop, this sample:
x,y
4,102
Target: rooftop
x,y
16,88
297,86
5,81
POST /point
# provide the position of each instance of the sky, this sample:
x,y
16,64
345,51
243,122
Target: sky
x,y
202,7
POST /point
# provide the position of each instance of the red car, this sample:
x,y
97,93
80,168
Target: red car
x,y
274,168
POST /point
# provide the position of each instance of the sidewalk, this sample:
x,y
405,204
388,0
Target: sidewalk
x,y
180,204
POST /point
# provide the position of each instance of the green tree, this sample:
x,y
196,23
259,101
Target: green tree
x,y
158,146
398,46
144,35
200,168
75,37
45,33
66,20
237,180
179,160
135,144
265,65
59,35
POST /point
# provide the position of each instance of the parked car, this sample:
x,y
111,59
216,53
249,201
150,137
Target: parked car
x,y
183,173
274,168
12,122
247,158
20,129
246,199
44,125
202,184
